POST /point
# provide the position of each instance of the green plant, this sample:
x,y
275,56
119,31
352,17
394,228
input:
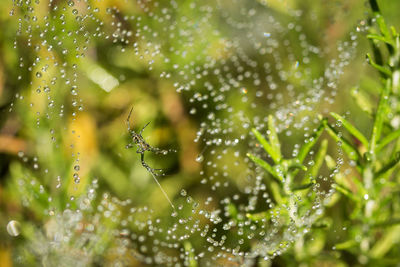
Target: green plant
x,y
371,189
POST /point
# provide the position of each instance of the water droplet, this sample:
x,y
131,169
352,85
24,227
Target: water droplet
x,y
200,158
58,182
13,228
77,179
183,192
192,111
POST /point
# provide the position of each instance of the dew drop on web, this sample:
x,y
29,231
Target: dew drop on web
x,y
13,228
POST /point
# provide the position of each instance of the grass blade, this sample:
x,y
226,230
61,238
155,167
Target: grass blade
x,y
267,147
353,130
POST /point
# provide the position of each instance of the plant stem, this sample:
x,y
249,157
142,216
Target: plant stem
x,y
374,6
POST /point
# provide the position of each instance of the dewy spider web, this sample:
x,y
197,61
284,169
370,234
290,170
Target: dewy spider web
x,y
233,62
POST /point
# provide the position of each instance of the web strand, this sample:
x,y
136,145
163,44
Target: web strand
x,y
162,190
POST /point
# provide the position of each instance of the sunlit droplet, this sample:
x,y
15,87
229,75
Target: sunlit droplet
x,y
13,228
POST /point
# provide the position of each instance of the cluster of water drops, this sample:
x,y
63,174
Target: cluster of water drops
x,y
234,62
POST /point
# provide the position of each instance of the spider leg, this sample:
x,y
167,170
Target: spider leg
x,y
130,145
128,123
141,131
156,150
147,167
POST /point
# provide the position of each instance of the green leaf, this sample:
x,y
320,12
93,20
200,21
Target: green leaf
x,y
353,130
322,223
387,139
389,165
390,238
380,68
267,147
330,162
273,137
359,187
305,149
380,38
189,250
394,32
302,187
295,164
276,193
232,210
319,159
258,216
382,25
362,101
266,166
346,245
380,117
345,191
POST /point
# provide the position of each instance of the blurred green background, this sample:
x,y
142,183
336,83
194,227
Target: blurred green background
x,y
92,134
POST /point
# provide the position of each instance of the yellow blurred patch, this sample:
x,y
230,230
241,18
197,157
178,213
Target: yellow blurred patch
x,y
82,143
5,257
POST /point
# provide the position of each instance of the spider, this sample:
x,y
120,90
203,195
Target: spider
x,y
143,146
